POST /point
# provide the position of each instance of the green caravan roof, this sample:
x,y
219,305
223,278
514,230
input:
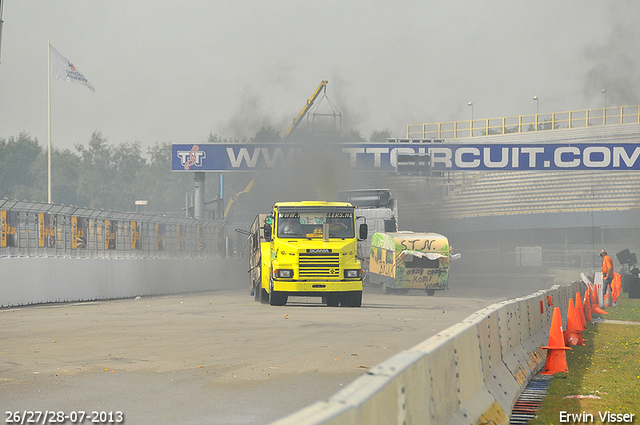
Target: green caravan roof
x,y
415,235
411,241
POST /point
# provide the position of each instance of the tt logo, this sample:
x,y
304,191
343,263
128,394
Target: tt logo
x,y
193,157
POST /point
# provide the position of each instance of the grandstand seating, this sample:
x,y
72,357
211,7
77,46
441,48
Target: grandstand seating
x,y
526,192
489,193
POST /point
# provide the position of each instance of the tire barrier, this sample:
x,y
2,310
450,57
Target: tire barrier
x,y
471,373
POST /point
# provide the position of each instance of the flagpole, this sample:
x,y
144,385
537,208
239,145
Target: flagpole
x,y
49,123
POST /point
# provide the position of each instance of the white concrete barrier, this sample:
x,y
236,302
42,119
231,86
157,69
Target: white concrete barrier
x,y
43,280
471,373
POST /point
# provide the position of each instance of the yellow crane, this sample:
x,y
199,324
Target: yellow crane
x,y
237,195
321,89
296,121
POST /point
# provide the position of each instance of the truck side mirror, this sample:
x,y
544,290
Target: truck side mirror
x,y
363,232
267,232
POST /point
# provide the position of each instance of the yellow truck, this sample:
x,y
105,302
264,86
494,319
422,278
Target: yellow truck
x,y
307,248
407,260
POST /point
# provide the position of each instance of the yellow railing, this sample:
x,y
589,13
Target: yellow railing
x,y
525,123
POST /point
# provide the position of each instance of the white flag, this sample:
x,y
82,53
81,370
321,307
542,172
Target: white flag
x,y
63,69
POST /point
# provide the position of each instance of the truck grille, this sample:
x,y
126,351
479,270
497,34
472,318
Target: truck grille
x,y
319,265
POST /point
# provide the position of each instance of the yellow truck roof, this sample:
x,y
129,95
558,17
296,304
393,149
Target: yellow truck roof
x,y
313,204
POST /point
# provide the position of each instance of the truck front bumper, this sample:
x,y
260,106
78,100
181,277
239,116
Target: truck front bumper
x,y
317,287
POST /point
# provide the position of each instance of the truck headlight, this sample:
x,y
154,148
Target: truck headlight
x,y
283,273
352,274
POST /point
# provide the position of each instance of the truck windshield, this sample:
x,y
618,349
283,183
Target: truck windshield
x,y
311,224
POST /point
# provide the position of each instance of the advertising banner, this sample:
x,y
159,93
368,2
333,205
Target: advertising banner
x,y
160,229
79,232
181,236
384,156
110,233
46,234
136,235
8,225
200,238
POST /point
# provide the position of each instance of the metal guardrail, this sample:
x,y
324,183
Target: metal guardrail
x,y
37,229
526,123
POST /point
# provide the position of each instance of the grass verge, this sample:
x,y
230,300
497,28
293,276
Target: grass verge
x,y
607,366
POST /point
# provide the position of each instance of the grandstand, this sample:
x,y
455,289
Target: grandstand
x,y
536,192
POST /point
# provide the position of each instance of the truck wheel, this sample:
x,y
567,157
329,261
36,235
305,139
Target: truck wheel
x,y
352,299
276,297
332,301
431,292
264,296
256,293
257,287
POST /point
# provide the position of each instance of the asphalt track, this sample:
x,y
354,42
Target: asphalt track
x,y
217,357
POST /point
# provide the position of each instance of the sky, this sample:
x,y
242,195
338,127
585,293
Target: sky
x,y
178,71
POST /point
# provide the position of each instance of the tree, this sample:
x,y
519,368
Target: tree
x,y
380,136
64,176
20,163
108,175
163,188
267,135
353,136
214,138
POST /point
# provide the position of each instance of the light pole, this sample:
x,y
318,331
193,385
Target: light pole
x,y
537,109
604,111
471,122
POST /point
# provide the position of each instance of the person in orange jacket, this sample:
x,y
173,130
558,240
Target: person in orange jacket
x,y
607,271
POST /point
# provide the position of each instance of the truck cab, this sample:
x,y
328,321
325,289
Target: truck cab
x,y
379,210
310,249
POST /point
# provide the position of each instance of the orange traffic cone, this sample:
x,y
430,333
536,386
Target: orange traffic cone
x,y
587,306
616,288
607,298
573,333
580,311
595,309
594,296
595,305
556,354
